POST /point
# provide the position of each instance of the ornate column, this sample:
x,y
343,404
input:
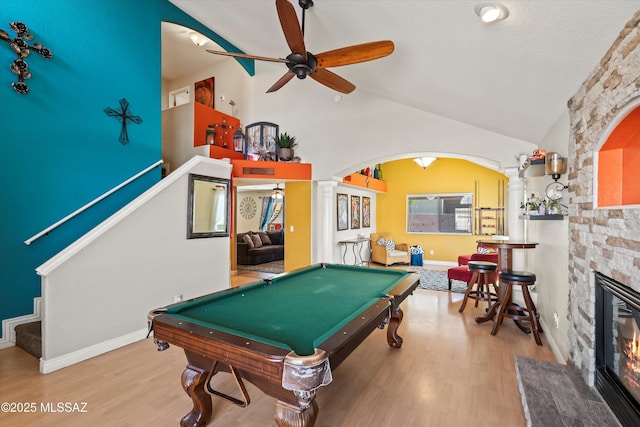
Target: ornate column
x,y
516,188
323,231
517,230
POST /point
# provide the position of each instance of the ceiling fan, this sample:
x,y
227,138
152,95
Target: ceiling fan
x,y
302,63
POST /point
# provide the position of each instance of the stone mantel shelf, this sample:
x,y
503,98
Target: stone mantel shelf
x,y
543,217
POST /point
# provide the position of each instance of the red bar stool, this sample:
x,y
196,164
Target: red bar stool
x,y
524,279
482,278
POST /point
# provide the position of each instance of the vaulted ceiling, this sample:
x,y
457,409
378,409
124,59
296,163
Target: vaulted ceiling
x,y
512,77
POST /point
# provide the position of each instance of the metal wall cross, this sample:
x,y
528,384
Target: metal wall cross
x,y
123,115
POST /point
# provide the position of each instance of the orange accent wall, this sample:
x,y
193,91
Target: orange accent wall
x,y
618,172
205,116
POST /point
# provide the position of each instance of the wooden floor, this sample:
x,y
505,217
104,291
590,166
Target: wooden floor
x,y
449,372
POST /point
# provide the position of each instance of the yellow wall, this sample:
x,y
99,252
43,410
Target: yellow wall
x,y
405,177
297,214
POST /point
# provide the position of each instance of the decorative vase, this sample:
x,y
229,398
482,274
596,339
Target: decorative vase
x,y
285,154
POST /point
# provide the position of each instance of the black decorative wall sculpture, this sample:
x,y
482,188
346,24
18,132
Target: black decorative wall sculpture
x,y
22,48
123,116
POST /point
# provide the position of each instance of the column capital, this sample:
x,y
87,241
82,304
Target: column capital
x,y
326,187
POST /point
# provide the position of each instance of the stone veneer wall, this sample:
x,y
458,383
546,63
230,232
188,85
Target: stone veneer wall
x,y
605,240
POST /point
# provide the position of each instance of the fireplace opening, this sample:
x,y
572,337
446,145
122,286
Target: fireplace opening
x,y
618,348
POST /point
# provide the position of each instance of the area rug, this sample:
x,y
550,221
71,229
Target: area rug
x,y
275,267
557,395
436,280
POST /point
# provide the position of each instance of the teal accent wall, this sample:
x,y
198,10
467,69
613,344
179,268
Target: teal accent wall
x,y
58,149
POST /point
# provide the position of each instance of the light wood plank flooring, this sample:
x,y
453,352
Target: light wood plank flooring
x,y
449,372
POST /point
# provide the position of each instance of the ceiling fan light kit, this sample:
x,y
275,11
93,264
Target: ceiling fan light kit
x,y
302,63
491,12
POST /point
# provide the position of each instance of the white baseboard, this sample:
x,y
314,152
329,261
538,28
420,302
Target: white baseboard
x,y
447,263
9,325
552,343
50,365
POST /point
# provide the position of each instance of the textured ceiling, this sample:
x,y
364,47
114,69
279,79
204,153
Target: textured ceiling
x,y
512,77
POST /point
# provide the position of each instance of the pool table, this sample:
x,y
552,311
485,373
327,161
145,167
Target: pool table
x,y
284,335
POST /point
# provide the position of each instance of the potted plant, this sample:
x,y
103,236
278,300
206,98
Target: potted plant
x,y
285,143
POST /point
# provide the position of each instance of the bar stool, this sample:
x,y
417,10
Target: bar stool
x,y
524,279
483,275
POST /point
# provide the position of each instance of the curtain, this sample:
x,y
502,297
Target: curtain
x,y
265,214
218,207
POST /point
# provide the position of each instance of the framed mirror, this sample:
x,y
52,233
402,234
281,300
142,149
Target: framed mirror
x,y
208,208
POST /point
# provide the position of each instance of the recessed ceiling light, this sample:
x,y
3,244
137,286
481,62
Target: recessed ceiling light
x,y
198,39
491,12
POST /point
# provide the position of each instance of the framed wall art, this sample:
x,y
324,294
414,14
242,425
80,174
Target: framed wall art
x,y
355,211
205,92
366,212
261,140
342,211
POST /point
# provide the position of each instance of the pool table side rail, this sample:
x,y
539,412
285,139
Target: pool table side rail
x,y
403,289
340,345
253,356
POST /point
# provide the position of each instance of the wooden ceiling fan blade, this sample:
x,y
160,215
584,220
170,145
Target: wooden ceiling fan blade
x,y
332,80
355,54
244,55
291,27
281,82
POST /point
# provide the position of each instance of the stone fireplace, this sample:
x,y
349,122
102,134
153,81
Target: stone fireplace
x,y
601,239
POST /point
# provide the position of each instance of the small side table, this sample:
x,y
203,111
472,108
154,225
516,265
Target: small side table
x,y
356,246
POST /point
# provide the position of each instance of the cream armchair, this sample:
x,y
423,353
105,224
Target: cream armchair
x,y
383,255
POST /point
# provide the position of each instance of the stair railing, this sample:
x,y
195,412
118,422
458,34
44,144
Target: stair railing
x,y
88,205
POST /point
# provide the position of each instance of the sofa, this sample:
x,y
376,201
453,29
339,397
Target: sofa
x,y
258,247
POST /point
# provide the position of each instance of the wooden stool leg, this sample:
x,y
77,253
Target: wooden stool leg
x,y
479,290
533,314
474,278
488,283
506,298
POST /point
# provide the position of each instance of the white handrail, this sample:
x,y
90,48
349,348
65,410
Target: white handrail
x,y
88,205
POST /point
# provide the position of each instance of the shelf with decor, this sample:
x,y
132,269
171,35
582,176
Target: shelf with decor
x,y
490,221
533,167
364,181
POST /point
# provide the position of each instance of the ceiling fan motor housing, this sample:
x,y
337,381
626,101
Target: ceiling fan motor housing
x,y
299,66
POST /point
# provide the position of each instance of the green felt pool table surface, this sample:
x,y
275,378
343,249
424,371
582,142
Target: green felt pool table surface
x,y
296,311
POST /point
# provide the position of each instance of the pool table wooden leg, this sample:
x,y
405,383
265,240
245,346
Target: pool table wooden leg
x,y
393,338
292,416
194,380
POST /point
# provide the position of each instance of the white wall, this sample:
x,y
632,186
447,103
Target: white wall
x,y
98,291
549,261
358,131
177,137
361,129
339,250
252,224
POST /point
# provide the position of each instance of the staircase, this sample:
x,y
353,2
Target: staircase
x,y
29,338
